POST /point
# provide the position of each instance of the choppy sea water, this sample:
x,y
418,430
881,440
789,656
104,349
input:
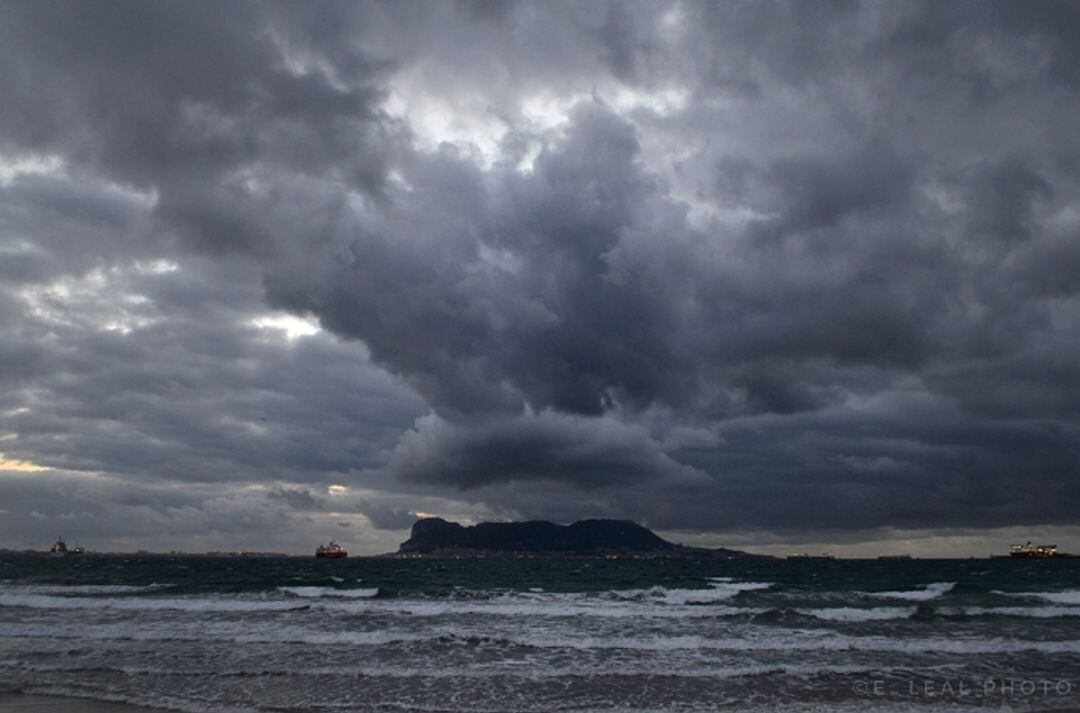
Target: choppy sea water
x,y
204,634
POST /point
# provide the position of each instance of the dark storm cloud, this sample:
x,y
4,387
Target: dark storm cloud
x,y
780,265
386,517
589,453
510,291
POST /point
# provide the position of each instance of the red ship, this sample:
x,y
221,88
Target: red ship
x,y
331,551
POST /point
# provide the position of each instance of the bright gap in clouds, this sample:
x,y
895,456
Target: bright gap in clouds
x,y
478,126
18,466
11,166
294,327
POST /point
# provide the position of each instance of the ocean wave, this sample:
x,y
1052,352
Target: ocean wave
x,y
202,604
656,602
549,606
1021,612
1068,597
504,668
854,614
80,589
317,592
779,641
720,589
927,593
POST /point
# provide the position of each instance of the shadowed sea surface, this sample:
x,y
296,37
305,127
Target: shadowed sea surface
x,y
216,634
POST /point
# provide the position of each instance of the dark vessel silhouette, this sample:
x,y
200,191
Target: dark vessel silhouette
x,y
1028,551
59,548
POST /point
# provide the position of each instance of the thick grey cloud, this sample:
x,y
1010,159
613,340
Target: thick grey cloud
x,y
778,266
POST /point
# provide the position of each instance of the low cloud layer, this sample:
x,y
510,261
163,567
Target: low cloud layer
x,y
784,267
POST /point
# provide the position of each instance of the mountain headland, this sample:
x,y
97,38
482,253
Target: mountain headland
x,y
435,536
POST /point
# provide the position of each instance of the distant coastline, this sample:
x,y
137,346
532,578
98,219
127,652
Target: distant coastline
x,y
436,537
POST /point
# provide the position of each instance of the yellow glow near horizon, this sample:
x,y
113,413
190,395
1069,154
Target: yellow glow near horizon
x,y
19,466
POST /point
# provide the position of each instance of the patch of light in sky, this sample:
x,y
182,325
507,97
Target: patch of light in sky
x,y
18,466
293,326
445,118
11,166
664,101
156,267
476,125
95,300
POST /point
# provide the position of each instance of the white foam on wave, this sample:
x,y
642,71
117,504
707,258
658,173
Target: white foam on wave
x,y
721,589
781,641
657,602
513,668
317,592
1068,597
854,614
240,633
535,607
1022,612
202,604
79,589
785,643
925,594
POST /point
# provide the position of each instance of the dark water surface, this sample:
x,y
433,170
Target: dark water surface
x,y
242,634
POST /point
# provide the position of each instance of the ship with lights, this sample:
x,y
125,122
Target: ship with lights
x,y
1029,551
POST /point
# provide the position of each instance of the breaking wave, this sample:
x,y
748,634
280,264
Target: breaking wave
x,y
721,589
80,589
927,593
209,604
540,639
317,592
855,614
1068,597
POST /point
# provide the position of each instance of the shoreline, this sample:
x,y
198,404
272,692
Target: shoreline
x,y
32,703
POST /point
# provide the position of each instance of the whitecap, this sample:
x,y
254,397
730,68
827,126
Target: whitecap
x,y
925,594
79,589
365,593
720,590
202,604
855,614
1068,597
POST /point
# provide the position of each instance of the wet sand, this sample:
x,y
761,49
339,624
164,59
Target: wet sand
x,y
18,703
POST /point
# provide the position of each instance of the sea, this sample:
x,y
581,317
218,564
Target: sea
x,y
247,634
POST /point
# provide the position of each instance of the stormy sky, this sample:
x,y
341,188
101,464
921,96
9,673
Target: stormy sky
x,y
753,274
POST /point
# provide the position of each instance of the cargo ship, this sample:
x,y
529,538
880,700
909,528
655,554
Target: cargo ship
x,y
59,548
331,551
1034,552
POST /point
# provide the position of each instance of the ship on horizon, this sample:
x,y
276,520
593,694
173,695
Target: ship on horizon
x,y
1034,552
332,550
60,549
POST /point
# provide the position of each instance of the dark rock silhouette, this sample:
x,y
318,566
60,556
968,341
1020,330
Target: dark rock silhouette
x,y
433,533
